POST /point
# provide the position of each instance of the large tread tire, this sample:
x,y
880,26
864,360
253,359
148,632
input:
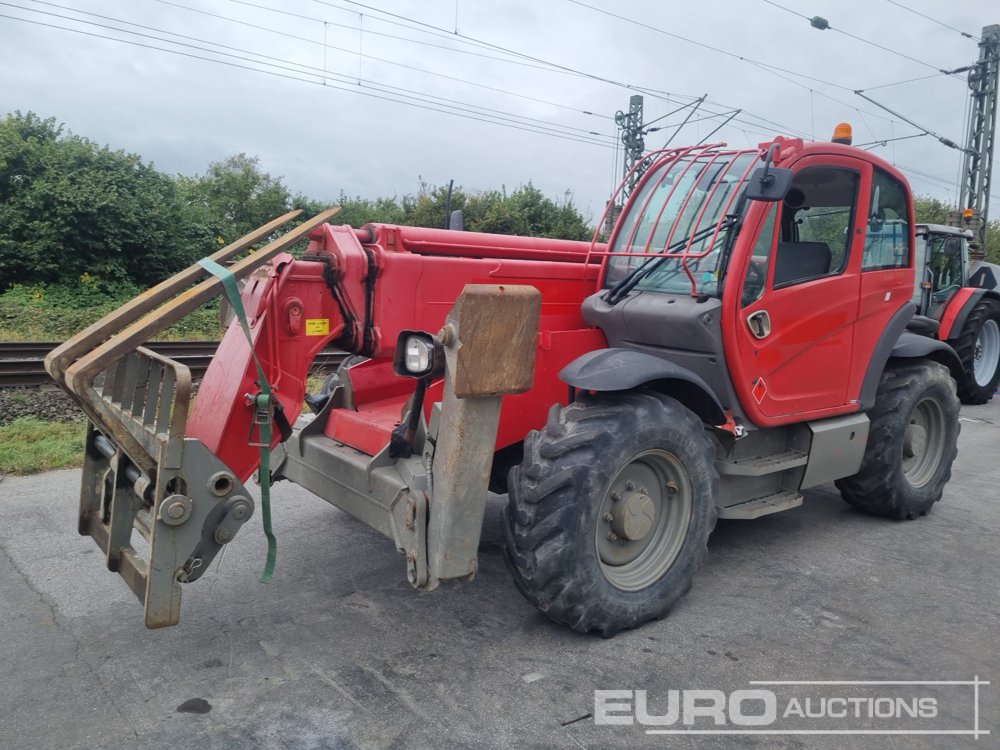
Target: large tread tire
x,y
555,497
969,390
882,487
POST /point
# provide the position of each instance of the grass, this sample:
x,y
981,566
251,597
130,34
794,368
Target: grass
x,y
29,445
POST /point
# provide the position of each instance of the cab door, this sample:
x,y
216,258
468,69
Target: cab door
x,y
795,319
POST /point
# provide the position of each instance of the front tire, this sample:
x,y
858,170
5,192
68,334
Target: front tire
x,y
912,442
978,346
610,511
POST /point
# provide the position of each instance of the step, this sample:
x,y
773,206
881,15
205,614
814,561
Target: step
x,y
758,466
762,506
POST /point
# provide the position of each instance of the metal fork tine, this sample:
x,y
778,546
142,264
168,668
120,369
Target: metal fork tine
x,y
109,380
152,393
137,397
125,394
121,375
166,401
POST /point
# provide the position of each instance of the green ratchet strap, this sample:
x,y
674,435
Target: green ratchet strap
x,y
263,405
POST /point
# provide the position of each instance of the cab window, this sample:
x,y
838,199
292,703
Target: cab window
x,y
887,241
816,225
756,278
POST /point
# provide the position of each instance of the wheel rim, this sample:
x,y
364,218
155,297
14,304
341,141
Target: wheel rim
x,y
923,442
987,355
643,520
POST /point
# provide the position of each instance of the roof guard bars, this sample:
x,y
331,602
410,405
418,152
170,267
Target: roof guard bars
x,y
706,158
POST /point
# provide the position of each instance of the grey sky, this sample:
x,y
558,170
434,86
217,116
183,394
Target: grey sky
x,y
182,113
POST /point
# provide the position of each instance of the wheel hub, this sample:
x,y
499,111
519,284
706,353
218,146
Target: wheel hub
x,y
915,440
923,442
643,519
633,517
986,355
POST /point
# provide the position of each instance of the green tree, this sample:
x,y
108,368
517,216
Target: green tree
x,y
930,210
69,207
933,211
234,197
526,211
356,211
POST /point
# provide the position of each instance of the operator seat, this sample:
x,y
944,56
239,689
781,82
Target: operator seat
x,y
798,261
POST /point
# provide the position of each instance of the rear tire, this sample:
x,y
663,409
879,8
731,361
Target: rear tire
x,y
978,346
610,510
912,442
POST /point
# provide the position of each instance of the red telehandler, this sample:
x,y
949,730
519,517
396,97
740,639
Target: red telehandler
x,y
741,337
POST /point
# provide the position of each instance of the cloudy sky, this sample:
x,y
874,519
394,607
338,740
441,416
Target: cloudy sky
x,y
371,97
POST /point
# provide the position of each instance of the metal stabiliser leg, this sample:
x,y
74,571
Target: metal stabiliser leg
x,y
490,339
431,503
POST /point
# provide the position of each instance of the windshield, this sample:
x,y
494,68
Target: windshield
x,y
679,199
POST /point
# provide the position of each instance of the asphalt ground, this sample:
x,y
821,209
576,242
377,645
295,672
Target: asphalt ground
x,y
339,651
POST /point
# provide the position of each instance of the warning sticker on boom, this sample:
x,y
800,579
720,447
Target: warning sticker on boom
x,y
317,326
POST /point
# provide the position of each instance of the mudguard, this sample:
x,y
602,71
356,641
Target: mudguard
x,y
617,369
911,346
958,309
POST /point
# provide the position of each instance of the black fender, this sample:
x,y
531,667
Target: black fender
x,y
974,299
891,335
985,277
913,346
898,343
618,369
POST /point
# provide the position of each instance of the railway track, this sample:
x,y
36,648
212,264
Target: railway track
x,y
22,363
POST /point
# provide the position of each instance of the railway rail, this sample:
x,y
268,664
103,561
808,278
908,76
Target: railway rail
x,y
22,363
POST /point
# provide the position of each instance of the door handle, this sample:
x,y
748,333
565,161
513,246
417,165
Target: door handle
x,y
760,324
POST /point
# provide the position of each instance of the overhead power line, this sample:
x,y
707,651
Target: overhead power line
x,y
402,21
307,40
406,93
938,21
317,80
886,141
703,45
507,59
907,80
774,70
823,24
945,141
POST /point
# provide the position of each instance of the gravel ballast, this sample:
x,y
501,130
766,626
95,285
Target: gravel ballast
x,y
48,403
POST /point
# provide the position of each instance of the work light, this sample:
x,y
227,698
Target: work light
x,y
417,355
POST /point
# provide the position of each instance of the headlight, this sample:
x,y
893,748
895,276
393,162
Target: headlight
x,y
418,354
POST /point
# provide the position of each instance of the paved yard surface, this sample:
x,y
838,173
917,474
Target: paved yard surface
x,y
339,651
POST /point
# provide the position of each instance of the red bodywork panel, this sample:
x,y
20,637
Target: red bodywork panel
x,y
419,274
359,288
951,310
825,331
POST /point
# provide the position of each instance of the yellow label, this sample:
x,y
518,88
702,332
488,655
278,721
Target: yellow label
x,y
317,326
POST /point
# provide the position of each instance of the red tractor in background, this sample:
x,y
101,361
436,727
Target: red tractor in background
x,y
958,301
743,336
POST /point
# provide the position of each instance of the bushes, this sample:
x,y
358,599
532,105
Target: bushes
x,y
84,228
49,312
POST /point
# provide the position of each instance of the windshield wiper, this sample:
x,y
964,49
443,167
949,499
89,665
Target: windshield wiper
x,y
620,290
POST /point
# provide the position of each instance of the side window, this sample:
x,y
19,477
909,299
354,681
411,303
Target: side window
x,y
816,222
760,261
887,242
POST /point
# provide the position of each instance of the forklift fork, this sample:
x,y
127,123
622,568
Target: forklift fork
x,y
141,474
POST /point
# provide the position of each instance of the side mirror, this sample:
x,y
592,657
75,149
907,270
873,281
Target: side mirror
x,y
769,184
